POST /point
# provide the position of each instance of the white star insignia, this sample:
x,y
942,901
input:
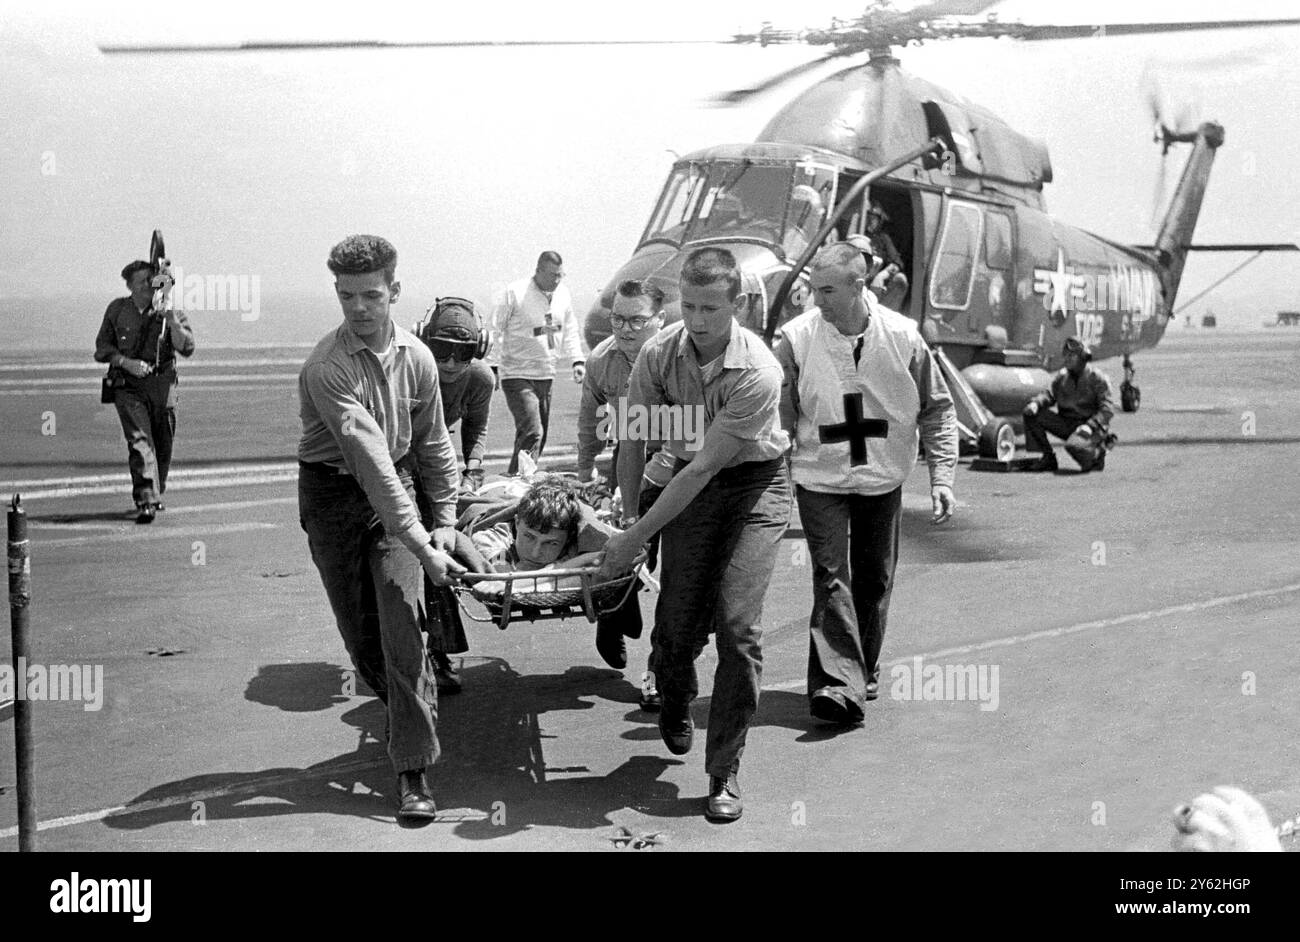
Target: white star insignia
x,y
1062,283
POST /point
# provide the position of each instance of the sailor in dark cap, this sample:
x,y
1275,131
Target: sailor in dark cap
x,y
458,338
1077,407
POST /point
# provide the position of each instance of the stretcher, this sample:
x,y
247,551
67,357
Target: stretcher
x,y
550,593
541,595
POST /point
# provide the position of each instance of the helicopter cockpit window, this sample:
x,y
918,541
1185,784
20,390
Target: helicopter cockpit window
x,y
744,201
954,266
677,204
810,202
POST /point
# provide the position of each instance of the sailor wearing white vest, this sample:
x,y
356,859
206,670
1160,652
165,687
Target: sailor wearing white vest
x,y
860,388
532,327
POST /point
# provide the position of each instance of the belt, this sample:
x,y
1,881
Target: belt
x,y
773,465
405,463
770,465
320,467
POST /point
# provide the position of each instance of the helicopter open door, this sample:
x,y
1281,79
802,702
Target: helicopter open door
x,y
896,232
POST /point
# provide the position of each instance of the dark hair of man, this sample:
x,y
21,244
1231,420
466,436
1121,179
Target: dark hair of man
x,y
129,271
549,258
550,504
705,266
840,255
642,289
363,254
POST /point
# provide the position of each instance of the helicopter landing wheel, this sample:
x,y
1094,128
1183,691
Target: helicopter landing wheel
x,y
1130,396
997,440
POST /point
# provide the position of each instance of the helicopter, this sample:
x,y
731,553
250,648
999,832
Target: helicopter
x,y
996,283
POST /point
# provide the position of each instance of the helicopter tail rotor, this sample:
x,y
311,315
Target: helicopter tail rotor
x,y
1175,118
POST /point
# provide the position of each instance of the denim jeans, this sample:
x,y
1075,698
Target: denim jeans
x,y
718,556
853,542
529,401
373,583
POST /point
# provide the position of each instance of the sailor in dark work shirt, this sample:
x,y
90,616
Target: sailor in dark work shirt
x,y
1084,406
457,340
142,343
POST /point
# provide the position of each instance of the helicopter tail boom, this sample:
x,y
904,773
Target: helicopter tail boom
x,y
1175,238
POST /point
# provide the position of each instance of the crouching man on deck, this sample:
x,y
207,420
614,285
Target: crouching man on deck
x,y
371,419
1084,407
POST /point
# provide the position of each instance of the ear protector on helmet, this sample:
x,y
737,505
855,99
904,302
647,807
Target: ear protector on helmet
x,y
441,308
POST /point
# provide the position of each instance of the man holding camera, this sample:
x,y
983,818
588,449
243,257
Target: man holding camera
x,y
141,344
1084,407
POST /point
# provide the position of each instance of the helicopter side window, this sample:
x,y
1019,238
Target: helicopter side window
x,y
954,267
997,241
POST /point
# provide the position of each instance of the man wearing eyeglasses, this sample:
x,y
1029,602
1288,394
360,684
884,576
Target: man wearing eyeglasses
x,y
532,328
636,315
453,333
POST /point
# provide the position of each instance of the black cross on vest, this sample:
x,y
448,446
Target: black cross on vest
x,y
854,429
550,330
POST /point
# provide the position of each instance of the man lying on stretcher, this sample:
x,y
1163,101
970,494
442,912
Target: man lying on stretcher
x,y
550,529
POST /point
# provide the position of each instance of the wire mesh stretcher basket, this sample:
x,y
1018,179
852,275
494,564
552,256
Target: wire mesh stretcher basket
x,y
533,601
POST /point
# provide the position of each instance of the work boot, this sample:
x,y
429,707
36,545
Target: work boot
x,y
414,803
1046,463
676,727
445,673
611,644
144,512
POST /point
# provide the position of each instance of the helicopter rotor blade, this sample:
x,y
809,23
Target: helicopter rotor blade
x,y
290,45
952,8
739,95
1036,33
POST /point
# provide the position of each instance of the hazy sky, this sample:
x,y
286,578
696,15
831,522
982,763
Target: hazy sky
x,y
472,161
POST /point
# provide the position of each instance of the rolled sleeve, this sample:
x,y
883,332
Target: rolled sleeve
x,y
186,346
937,418
365,453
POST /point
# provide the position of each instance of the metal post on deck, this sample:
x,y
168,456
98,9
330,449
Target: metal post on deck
x,y
20,597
